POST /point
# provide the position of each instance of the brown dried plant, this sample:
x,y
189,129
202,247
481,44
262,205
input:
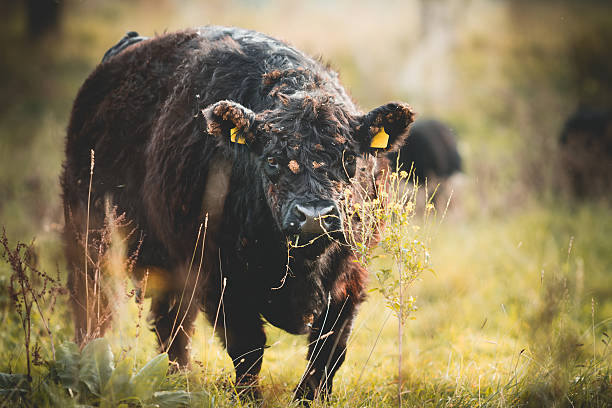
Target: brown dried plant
x,y
31,291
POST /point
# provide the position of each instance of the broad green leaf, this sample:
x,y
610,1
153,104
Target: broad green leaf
x,y
96,365
171,399
148,379
119,386
12,384
66,365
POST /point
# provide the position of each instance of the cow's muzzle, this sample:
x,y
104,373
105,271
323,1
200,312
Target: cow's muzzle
x,y
312,219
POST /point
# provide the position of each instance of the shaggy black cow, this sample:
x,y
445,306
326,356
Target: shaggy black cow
x,y
248,133
431,150
586,152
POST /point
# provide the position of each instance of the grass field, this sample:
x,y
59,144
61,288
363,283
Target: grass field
x,y
518,310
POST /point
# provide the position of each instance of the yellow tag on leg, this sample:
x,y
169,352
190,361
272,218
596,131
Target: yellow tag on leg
x,y
380,140
239,139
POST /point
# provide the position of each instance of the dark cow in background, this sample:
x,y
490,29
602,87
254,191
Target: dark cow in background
x,y
237,128
586,152
431,150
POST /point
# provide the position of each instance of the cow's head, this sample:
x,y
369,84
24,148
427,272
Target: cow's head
x,y
309,149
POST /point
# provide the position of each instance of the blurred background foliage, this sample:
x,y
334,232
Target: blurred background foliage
x,y
505,75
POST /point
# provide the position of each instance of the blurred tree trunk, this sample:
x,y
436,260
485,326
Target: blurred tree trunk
x,y
43,17
428,72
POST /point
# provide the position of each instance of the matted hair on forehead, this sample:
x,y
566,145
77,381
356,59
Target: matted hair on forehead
x,y
292,80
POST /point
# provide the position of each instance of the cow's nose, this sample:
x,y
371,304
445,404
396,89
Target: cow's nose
x,y
317,218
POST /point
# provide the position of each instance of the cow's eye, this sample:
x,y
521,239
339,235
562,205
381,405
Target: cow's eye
x,y
272,162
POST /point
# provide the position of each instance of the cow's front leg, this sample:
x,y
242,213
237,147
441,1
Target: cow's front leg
x,y
244,338
327,349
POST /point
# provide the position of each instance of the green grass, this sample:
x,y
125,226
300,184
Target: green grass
x,y
505,321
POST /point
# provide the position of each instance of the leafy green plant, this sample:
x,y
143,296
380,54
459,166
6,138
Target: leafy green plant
x,y
72,376
392,217
13,384
92,378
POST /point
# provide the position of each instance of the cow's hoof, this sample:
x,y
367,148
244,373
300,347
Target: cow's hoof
x,y
248,391
305,395
177,368
308,390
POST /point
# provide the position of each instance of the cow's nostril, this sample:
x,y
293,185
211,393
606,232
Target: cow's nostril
x,y
301,215
328,215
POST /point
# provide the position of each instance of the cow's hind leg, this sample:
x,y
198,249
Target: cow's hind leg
x,y
327,349
174,315
91,309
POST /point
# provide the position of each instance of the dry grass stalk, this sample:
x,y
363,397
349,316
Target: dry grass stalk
x,y
30,287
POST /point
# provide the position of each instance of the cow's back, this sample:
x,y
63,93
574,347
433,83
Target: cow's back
x,y
113,115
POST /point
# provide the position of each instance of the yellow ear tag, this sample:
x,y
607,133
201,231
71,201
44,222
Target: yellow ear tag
x,y
380,140
239,139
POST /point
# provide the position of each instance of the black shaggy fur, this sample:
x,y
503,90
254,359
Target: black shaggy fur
x,y
431,152
431,149
158,115
586,152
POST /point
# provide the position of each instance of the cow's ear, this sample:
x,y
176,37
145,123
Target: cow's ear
x,y
230,123
384,128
